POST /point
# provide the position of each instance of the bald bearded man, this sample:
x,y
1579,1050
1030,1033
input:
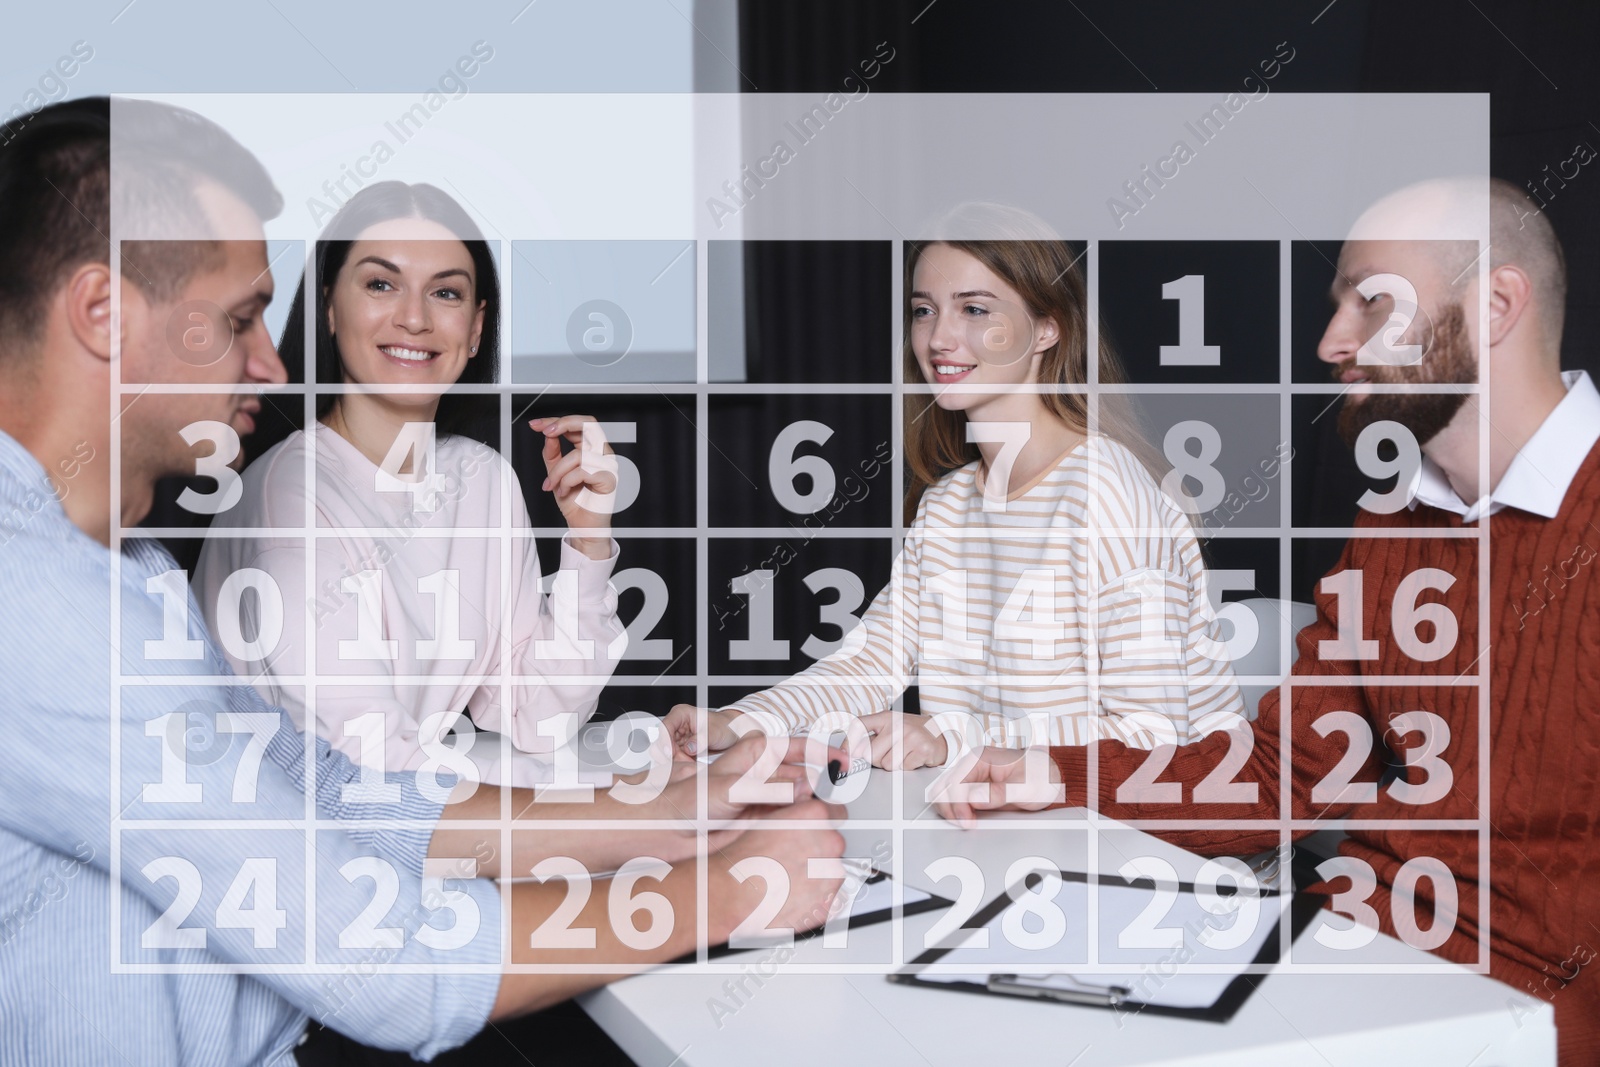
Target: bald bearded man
x,y
1389,665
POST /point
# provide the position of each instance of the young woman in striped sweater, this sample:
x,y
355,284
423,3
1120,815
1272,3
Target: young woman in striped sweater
x,y
1048,590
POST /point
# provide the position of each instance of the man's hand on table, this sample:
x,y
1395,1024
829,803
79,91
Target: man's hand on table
x,y
761,777
755,778
733,895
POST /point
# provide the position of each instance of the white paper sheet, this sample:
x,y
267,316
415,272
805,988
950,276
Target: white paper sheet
x,y
1191,936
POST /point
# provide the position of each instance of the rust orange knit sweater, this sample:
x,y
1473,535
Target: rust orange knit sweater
x,y
1542,665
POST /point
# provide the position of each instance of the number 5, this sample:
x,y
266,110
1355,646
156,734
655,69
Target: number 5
x,y
595,457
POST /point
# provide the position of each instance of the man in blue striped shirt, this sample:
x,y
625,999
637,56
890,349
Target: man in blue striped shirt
x,y
167,902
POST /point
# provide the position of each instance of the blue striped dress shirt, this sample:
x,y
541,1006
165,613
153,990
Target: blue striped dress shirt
x,y
210,923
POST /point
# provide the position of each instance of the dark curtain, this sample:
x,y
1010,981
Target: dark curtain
x,y
1531,56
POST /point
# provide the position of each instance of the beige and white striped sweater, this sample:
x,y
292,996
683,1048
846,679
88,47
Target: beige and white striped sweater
x,y
1073,611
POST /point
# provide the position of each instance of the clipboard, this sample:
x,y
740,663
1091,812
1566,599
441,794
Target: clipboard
x,y
1230,990
867,895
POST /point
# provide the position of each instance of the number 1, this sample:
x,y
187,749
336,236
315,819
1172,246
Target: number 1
x,y
1191,350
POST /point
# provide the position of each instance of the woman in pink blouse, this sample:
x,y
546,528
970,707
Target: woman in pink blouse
x,y
424,596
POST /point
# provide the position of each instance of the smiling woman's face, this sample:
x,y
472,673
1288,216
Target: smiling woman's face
x,y
404,307
970,331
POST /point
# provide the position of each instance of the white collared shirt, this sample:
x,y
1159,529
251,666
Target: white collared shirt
x,y
1539,474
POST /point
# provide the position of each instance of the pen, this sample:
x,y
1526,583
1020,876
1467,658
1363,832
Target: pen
x,y
1080,992
837,771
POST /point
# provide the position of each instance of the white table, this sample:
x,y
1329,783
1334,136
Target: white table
x,y
1448,1017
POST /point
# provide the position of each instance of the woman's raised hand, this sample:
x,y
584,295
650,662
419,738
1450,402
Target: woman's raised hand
x,y
583,480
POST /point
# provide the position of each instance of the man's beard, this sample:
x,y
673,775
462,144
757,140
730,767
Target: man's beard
x,y
1449,361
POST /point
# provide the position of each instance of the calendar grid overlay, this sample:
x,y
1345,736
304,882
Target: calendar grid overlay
x,y
702,615
897,416
308,530
709,675
1485,748
114,860
1093,341
1285,566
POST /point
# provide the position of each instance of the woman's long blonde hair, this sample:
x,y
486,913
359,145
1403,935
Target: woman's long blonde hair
x,y
1045,275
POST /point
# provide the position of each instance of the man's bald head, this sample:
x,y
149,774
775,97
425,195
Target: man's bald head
x,y
1520,235
1458,212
